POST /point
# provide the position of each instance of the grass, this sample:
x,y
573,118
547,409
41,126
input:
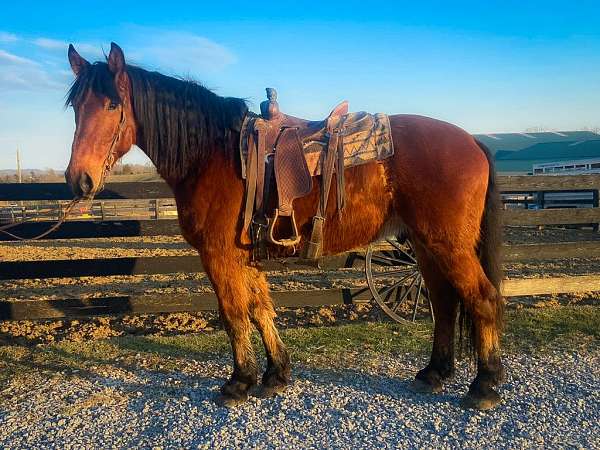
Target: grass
x,y
527,330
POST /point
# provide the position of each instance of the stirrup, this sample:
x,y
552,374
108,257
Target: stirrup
x,y
292,241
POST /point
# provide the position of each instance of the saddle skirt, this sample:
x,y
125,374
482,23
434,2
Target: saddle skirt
x,y
365,138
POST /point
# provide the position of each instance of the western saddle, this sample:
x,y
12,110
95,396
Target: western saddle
x,y
293,150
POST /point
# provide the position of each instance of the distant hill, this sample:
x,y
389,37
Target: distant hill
x,y
514,152
41,176
510,142
10,172
523,160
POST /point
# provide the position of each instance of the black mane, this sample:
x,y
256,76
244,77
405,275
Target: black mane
x,y
179,122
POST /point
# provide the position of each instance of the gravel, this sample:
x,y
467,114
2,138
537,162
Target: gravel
x,y
550,400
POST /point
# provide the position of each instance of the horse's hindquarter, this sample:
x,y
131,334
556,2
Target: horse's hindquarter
x,y
439,176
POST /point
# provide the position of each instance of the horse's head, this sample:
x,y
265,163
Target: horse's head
x,y
105,125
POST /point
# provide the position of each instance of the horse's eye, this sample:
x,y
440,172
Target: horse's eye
x,y
112,105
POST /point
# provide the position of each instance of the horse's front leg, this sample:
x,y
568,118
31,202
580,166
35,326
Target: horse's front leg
x,y
277,374
228,280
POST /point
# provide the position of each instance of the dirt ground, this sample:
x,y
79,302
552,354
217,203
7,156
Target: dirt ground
x,y
117,247
89,287
121,247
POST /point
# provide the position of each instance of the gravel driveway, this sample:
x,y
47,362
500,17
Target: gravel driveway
x,y
550,400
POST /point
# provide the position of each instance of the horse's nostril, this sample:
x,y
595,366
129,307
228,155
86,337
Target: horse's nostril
x,y
86,184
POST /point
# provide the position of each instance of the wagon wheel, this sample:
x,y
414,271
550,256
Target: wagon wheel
x,y
395,281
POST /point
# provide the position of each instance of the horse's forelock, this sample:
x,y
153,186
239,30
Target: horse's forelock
x,y
97,78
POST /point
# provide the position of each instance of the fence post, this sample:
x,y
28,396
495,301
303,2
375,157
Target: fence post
x,y
596,204
156,209
541,204
102,211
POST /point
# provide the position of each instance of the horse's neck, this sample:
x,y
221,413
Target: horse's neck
x,y
197,159
196,170
216,165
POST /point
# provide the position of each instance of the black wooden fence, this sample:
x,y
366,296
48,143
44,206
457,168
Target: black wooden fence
x,y
36,309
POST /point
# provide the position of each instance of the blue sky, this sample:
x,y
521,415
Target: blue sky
x,y
490,66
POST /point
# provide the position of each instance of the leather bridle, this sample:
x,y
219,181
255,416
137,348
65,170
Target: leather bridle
x,y
110,159
109,162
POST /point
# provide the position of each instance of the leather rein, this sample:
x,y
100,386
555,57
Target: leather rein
x,y
109,162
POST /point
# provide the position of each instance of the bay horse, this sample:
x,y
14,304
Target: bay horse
x,y
438,188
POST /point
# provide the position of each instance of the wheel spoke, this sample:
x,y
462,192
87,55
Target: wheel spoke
x,y
406,277
393,276
398,246
406,292
392,272
417,299
397,283
431,310
389,254
399,301
383,291
387,296
392,261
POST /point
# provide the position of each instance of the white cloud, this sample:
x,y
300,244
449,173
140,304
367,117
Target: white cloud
x,y
85,49
19,73
170,51
51,44
15,60
178,50
27,80
8,37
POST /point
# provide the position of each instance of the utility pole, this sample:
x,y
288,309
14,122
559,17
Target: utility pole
x,y
19,178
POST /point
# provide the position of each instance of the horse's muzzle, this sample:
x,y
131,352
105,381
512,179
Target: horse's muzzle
x,y
82,186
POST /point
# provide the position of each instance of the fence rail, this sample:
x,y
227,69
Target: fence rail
x,y
153,201
160,303
157,189
97,210
102,267
147,202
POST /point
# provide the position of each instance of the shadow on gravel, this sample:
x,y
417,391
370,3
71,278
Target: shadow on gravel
x,y
392,387
210,347
139,377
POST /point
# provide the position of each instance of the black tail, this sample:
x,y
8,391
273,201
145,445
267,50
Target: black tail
x,y
490,240
489,250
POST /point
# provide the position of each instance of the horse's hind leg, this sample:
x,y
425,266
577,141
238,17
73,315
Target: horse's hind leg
x,y
277,374
444,301
483,306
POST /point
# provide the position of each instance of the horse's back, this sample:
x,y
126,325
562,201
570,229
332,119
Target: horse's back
x,y
436,151
423,135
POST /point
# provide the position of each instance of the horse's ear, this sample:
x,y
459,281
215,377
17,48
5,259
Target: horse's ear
x,y
78,63
116,59
116,64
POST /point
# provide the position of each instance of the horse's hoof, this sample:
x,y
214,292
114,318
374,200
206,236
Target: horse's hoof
x,y
500,377
481,402
229,401
421,387
270,391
